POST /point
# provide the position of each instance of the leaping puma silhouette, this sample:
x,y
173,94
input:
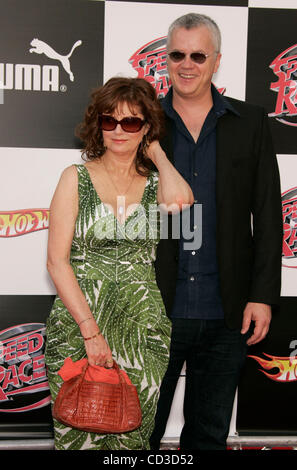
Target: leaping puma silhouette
x,y
40,47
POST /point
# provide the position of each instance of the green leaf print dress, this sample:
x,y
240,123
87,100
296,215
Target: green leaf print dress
x,y
114,267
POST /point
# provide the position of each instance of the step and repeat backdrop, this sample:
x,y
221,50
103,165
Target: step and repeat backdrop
x,y
52,54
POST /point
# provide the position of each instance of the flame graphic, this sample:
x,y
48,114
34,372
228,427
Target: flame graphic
x,y
23,221
287,367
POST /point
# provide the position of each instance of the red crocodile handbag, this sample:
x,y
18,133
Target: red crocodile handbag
x,y
98,406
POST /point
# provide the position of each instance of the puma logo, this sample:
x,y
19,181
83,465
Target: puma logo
x,y
40,47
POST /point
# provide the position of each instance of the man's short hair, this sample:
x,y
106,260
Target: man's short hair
x,y
196,20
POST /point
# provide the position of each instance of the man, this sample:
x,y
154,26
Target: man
x,y
219,297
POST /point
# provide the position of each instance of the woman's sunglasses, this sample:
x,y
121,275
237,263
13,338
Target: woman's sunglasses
x,y
128,124
197,57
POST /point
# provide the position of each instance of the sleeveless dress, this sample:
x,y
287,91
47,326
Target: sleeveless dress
x,y
113,264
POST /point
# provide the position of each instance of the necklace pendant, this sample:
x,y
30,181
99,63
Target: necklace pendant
x,y
121,206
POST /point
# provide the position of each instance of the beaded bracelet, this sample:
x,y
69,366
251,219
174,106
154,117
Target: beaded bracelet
x,y
94,336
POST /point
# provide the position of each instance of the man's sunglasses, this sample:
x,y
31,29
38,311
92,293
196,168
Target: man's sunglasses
x,y
128,124
197,57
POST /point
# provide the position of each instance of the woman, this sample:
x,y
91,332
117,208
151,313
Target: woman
x,y
108,306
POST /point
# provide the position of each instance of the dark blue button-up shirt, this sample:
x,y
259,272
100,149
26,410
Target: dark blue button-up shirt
x,y
197,292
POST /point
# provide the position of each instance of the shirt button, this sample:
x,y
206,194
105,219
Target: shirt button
x,y
193,252
192,278
195,201
195,173
195,227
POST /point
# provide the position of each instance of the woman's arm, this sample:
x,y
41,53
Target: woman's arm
x,y
173,191
63,213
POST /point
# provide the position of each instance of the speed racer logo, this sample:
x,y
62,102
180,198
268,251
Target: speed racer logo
x,y
149,61
23,379
285,68
23,221
289,203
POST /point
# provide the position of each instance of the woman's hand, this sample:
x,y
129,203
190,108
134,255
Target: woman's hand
x,y
98,352
174,193
97,349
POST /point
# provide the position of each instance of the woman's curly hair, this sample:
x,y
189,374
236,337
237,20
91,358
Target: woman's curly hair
x,y
109,98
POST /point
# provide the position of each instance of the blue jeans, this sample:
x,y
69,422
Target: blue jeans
x,y
214,357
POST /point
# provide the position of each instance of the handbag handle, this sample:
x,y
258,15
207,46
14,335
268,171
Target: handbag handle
x,y
114,366
118,370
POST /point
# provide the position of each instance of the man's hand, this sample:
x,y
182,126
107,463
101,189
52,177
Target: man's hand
x,y
261,315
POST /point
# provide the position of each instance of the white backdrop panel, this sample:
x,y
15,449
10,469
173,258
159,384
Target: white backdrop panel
x,y
129,26
273,4
31,176
288,171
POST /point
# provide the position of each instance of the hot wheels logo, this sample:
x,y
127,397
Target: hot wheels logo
x,y
289,202
285,68
23,379
23,221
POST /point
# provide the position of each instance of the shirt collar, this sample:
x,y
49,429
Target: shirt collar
x,y
220,103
